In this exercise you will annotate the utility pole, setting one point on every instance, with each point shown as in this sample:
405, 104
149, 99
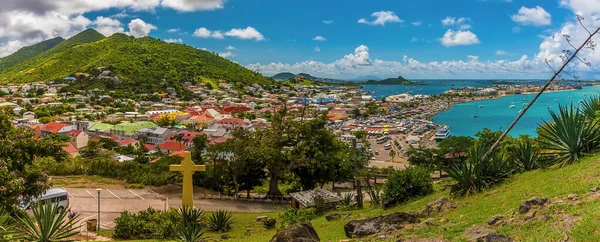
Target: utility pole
98, 229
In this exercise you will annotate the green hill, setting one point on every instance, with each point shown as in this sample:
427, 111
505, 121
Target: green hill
28, 52
142, 64
283, 76
392, 81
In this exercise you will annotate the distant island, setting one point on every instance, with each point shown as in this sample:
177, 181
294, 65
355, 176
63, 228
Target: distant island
393, 81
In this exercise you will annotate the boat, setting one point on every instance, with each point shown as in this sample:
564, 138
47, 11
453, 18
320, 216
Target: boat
524, 104
512, 106
481, 106
442, 134
556, 99
520, 111
570, 96
475, 115
549, 107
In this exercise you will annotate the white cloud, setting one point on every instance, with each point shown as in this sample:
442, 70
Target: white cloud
172, 30
226, 54
381, 18
25, 22
139, 28
417, 23
452, 21
230, 48
516, 29
193, 5
206, 33
319, 38
247, 33
532, 16
359, 64
327, 21
501, 52
108, 26
455, 38
178, 41
414, 39
317, 49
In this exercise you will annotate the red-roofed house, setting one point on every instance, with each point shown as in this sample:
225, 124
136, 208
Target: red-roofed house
150, 147
127, 141
78, 138
217, 140
70, 148
231, 109
56, 128
229, 123
188, 137
172, 146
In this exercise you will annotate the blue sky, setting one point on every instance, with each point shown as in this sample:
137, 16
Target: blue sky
337, 38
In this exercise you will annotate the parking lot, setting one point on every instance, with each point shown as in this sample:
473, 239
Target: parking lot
114, 201
84, 201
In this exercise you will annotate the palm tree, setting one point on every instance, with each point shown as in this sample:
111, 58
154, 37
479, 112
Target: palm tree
179, 138
569, 136
49, 223
192, 230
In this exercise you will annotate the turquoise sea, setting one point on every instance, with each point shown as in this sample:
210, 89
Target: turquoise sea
497, 115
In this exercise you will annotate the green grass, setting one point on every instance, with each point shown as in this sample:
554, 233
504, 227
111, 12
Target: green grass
504, 199
210, 82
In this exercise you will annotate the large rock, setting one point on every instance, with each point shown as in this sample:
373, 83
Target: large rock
365, 227
301, 232
437, 206
485, 234
529, 203
495, 237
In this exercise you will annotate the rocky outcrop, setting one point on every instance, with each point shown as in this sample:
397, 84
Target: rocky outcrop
301, 232
437, 206
485, 234
366, 227
495, 219
529, 203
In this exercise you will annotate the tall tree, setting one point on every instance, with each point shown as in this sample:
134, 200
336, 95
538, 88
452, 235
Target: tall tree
19, 176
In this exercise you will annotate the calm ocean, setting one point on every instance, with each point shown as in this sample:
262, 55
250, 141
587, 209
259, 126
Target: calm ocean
495, 114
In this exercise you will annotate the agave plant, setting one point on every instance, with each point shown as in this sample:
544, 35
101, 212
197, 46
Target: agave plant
49, 223
590, 106
570, 135
477, 174
192, 229
7, 232
348, 199
220, 221
525, 155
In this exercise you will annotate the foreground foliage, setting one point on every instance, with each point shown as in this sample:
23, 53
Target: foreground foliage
49, 223
406, 184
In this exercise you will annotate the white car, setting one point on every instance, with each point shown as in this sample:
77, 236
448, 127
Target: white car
54, 195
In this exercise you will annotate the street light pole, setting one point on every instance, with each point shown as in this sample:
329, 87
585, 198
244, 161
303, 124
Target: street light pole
98, 229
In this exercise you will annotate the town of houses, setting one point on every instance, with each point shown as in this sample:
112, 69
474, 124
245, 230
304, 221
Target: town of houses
159, 117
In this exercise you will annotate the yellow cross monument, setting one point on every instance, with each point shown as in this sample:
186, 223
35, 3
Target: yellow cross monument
188, 168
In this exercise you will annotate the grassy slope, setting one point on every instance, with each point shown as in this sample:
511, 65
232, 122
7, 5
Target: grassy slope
476, 210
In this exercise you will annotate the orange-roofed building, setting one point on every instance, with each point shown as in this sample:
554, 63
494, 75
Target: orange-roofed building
127, 141
172, 146
176, 153
217, 140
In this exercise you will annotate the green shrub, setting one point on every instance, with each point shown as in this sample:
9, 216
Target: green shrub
220, 221
192, 229
406, 184
291, 216
269, 223
148, 224
477, 174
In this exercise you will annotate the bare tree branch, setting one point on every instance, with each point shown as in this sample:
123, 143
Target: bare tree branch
587, 42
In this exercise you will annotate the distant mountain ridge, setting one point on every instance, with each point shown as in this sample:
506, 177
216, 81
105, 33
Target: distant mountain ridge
28, 52
287, 75
392, 81
142, 64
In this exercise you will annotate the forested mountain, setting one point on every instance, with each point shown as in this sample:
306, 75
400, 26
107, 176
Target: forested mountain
283, 76
28, 52
392, 81
140, 63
